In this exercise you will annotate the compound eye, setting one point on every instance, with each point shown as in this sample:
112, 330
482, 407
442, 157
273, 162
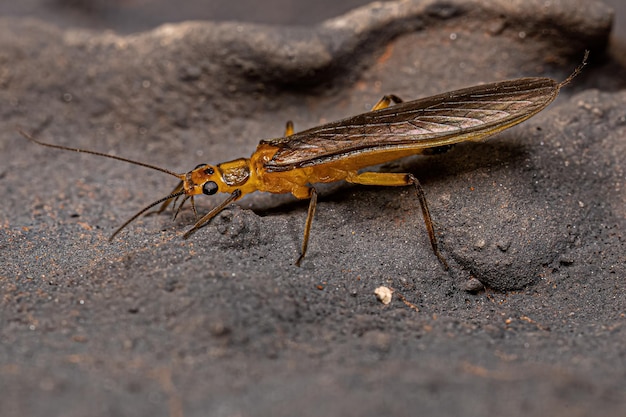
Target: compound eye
209, 188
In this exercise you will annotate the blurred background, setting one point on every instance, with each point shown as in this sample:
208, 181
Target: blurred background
128, 16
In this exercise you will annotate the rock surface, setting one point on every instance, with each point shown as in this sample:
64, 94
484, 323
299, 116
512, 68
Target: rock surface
224, 323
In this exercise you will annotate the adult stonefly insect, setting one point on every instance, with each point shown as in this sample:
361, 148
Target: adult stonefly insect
340, 150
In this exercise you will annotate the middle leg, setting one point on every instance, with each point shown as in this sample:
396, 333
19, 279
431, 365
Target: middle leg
391, 179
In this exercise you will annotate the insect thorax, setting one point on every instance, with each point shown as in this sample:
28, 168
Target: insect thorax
235, 173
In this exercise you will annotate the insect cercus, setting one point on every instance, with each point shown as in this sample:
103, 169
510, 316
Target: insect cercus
340, 150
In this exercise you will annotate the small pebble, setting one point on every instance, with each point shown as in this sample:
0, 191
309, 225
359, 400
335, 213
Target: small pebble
383, 294
473, 285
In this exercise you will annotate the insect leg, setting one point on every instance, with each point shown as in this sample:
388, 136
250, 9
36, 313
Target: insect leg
180, 206
394, 180
236, 195
386, 102
307, 225
193, 207
289, 128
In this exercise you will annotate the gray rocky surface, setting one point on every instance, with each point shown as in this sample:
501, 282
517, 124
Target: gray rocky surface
224, 323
